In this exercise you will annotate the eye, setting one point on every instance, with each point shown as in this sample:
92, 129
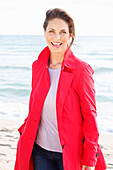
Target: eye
51, 31
64, 32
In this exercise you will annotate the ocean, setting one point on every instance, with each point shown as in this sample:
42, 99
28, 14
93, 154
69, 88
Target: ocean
17, 53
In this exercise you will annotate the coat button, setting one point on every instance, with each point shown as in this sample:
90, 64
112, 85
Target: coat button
63, 146
97, 155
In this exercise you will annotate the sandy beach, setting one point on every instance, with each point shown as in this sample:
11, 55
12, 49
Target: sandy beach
9, 137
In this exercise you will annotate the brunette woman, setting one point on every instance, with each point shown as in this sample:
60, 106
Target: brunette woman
60, 132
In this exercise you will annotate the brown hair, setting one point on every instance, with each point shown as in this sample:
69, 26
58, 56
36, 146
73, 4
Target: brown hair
61, 14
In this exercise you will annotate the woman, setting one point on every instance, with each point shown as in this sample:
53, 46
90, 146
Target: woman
60, 132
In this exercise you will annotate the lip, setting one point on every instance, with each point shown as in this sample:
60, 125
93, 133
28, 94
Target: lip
56, 44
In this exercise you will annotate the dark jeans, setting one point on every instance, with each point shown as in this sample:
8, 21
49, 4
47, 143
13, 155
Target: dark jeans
46, 160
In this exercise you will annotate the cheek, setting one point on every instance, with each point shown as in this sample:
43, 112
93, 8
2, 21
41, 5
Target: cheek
48, 37
65, 39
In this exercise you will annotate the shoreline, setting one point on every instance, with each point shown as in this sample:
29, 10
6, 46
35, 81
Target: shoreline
9, 137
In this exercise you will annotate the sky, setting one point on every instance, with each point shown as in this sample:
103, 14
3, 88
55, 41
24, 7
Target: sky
26, 17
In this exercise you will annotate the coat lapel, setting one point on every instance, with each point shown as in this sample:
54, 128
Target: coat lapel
65, 80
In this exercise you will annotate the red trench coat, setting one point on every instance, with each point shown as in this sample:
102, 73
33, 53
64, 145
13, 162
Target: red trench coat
76, 113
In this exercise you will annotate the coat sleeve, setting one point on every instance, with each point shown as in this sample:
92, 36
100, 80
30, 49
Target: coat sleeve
88, 109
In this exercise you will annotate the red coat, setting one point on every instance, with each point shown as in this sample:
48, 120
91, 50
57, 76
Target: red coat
76, 112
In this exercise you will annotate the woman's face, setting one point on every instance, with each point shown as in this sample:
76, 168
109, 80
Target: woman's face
57, 35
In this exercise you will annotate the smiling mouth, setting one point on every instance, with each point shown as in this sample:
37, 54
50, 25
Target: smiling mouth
55, 44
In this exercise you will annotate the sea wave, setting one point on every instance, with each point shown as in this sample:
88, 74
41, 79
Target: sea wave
99, 54
13, 109
14, 92
16, 85
103, 69
14, 67
104, 98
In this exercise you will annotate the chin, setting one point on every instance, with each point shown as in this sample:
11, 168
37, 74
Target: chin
57, 50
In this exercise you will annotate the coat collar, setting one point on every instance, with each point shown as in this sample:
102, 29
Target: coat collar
69, 58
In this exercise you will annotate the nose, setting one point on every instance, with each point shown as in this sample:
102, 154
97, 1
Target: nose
57, 36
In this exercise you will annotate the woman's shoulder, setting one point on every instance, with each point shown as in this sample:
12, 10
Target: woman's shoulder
35, 64
77, 64
83, 66
42, 58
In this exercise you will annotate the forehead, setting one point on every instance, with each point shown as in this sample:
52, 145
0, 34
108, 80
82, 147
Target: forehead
57, 23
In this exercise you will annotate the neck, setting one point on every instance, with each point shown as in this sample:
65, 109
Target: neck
55, 58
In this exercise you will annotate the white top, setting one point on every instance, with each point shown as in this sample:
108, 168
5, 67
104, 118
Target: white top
47, 135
